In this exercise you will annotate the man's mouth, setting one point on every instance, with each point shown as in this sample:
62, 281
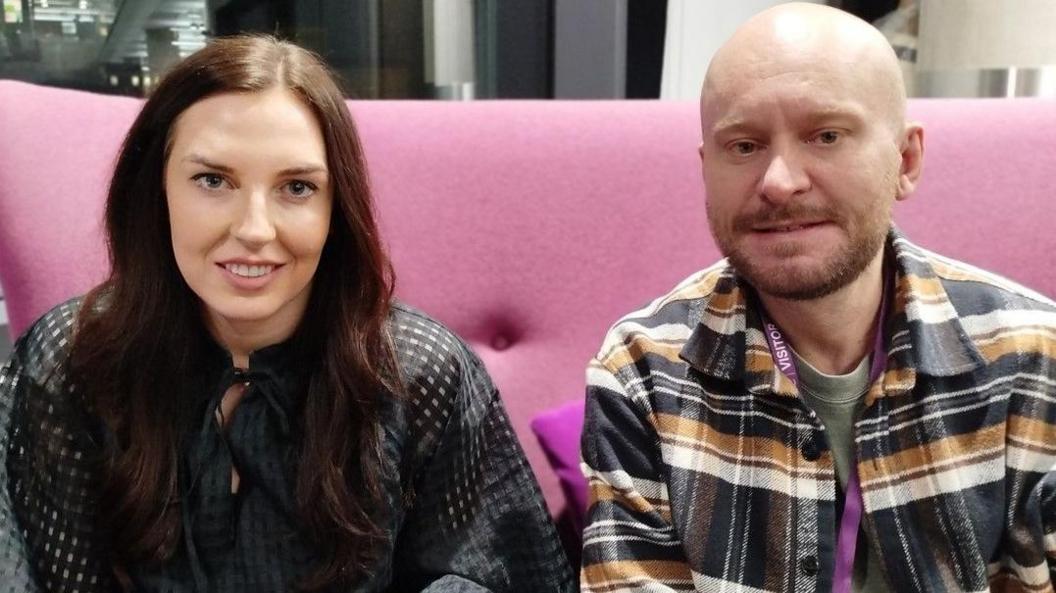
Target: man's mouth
786, 227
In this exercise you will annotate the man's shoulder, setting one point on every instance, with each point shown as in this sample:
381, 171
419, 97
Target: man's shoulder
976, 292
664, 324
1000, 317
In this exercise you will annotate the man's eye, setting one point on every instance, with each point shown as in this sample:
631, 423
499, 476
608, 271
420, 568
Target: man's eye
210, 181
300, 189
744, 148
828, 137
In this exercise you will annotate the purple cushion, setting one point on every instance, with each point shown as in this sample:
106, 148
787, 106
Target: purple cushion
558, 430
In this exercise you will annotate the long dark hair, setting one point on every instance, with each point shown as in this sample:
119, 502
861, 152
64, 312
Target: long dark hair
138, 333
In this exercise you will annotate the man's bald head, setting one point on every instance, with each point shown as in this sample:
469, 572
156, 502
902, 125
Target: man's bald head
805, 149
798, 37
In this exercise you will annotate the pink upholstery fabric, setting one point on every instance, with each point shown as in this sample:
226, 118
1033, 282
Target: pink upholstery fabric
528, 227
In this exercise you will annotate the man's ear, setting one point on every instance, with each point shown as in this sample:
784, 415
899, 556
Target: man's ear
912, 153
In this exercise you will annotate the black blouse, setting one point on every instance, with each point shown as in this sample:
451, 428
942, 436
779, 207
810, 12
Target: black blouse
465, 513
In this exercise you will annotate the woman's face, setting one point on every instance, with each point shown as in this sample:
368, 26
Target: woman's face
249, 202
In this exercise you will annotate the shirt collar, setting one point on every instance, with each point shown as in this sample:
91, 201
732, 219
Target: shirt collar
924, 332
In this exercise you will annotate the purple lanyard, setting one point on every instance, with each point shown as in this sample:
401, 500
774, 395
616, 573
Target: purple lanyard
847, 540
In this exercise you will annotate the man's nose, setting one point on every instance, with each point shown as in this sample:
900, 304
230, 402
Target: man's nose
784, 179
254, 225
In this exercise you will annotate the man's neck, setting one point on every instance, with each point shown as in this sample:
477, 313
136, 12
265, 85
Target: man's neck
835, 332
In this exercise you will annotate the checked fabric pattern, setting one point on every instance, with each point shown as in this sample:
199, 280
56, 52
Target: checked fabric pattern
467, 515
708, 472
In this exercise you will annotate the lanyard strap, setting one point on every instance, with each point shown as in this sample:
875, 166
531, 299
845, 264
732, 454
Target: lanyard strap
847, 540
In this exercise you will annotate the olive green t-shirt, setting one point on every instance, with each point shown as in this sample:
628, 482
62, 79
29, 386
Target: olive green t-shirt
836, 399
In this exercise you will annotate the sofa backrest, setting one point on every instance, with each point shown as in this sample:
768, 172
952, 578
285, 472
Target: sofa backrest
528, 227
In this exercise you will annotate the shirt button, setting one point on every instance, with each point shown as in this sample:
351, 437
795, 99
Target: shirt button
809, 564
810, 449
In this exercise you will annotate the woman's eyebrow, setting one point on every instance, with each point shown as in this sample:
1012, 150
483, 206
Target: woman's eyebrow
304, 170
201, 160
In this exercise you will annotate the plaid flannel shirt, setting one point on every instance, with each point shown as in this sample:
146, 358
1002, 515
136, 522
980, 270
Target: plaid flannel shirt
707, 471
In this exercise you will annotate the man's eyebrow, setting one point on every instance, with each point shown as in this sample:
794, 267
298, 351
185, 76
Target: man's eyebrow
738, 124
729, 125
836, 112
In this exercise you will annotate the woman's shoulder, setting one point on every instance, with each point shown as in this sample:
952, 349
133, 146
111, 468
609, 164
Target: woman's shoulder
438, 368
448, 395
424, 345
43, 349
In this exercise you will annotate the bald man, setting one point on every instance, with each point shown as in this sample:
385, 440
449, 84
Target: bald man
830, 408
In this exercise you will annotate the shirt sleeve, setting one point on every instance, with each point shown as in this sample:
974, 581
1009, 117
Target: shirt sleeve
629, 543
1029, 554
1047, 504
477, 522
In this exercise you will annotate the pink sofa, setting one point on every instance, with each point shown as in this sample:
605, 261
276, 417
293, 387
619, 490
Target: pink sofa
529, 227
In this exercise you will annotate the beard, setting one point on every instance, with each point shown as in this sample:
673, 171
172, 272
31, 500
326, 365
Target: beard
865, 238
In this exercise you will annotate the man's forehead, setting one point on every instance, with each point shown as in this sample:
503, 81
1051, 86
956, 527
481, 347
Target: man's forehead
812, 64
795, 93
827, 85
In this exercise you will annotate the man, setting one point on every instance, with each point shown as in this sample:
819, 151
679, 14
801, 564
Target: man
831, 407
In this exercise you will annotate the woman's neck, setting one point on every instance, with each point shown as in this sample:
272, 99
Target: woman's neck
242, 338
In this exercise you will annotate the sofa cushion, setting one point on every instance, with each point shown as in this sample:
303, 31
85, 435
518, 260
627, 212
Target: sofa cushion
528, 227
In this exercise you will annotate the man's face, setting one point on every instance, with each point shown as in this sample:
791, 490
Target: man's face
801, 160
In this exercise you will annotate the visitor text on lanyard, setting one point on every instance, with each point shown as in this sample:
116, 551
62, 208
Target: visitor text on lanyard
852, 507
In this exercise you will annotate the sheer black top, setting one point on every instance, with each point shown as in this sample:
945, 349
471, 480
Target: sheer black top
465, 511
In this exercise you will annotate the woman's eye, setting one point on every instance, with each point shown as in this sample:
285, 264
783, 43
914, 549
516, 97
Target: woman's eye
209, 181
300, 189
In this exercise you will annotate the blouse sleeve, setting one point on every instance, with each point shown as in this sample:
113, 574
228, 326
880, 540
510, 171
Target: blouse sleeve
477, 522
14, 558
47, 533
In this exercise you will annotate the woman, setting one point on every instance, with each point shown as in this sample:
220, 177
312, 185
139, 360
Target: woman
241, 406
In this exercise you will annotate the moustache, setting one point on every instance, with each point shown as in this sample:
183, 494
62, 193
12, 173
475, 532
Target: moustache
772, 214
